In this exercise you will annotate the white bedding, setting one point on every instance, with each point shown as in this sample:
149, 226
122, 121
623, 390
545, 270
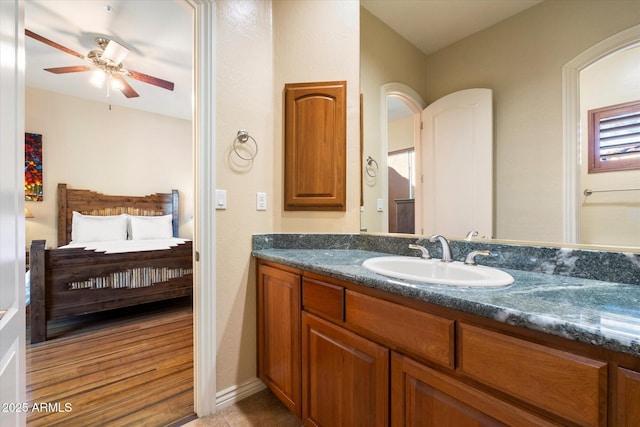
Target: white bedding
27, 288
121, 246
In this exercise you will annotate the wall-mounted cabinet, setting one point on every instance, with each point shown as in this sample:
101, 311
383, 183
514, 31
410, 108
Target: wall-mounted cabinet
315, 133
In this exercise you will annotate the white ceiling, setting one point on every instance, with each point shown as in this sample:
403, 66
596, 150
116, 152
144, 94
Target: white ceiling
431, 25
159, 35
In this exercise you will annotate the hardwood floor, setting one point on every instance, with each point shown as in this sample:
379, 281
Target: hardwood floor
133, 367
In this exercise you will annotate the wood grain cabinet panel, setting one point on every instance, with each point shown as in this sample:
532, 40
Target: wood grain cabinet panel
421, 396
279, 334
323, 299
315, 133
345, 379
570, 386
628, 398
413, 331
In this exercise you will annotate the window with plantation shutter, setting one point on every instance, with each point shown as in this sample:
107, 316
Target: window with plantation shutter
614, 137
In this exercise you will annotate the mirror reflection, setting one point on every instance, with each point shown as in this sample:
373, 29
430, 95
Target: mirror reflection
522, 59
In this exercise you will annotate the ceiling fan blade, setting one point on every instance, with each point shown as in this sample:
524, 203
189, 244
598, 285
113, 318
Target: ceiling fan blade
165, 84
126, 88
70, 69
52, 43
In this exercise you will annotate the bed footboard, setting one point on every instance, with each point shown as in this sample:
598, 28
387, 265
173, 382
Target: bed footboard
71, 282
37, 302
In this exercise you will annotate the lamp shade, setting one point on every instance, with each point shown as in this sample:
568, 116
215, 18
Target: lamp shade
27, 213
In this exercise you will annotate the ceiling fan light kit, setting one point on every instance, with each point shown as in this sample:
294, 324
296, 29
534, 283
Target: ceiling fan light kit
107, 65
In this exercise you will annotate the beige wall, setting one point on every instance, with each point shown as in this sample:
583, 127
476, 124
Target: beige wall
385, 57
400, 134
244, 95
521, 59
118, 151
262, 45
317, 41
611, 218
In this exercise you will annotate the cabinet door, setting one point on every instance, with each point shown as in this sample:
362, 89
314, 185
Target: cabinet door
279, 334
424, 397
315, 141
345, 378
628, 398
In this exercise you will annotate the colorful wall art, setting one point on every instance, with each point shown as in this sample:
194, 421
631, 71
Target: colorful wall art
33, 167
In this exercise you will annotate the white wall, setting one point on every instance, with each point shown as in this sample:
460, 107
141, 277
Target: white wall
119, 151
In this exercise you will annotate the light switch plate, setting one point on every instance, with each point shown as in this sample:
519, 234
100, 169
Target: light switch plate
221, 199
261, 201
379, 206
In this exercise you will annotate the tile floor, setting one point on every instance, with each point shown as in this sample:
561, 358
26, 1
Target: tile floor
262, 409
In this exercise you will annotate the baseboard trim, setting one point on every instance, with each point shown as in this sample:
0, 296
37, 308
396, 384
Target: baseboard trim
235, 393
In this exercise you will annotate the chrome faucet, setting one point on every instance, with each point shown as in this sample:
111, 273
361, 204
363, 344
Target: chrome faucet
471, 258
471, 235
422, 249
446, 248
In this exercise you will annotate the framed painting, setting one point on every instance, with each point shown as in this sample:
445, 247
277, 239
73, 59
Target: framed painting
33, 167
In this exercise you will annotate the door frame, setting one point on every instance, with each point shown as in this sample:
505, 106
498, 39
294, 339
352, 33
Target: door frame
416, 104
571, 124
204, 277
204, 182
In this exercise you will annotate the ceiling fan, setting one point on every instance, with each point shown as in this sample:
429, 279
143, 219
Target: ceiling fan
107, 61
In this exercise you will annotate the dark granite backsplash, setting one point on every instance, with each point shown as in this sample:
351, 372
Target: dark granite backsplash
620, 267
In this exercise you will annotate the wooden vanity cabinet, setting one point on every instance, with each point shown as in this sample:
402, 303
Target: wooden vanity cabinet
279, 348
343, 355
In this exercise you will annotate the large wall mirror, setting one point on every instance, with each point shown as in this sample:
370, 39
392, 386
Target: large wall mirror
522, 59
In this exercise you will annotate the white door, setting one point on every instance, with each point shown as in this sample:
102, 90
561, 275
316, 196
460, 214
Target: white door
457, 164
12, 316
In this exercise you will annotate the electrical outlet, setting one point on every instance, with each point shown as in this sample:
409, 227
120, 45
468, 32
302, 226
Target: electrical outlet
261, 201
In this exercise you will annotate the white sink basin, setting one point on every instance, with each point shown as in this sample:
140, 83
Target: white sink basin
437, 272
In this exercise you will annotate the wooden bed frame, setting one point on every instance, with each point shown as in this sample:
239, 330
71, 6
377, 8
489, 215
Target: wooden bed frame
72, 282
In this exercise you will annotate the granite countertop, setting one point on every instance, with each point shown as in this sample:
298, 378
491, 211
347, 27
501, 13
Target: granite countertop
597, 312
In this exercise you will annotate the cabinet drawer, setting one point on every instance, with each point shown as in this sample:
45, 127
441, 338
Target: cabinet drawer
424, 335
570, 386
323, 299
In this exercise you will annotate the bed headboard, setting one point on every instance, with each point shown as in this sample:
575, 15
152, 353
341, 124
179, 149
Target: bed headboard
89, 202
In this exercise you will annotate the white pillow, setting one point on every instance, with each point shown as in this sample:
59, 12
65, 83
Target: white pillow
150, 227
91, 228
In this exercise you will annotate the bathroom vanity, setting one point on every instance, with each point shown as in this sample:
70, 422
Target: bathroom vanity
343, 346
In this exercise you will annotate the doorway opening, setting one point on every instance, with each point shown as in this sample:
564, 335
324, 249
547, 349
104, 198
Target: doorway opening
400, 149
573, 192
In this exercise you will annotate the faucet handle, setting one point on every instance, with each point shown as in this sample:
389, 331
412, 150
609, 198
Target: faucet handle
471, 235
471, 258
422, 249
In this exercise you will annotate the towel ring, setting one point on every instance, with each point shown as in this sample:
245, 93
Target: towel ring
369, 169
241, 138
